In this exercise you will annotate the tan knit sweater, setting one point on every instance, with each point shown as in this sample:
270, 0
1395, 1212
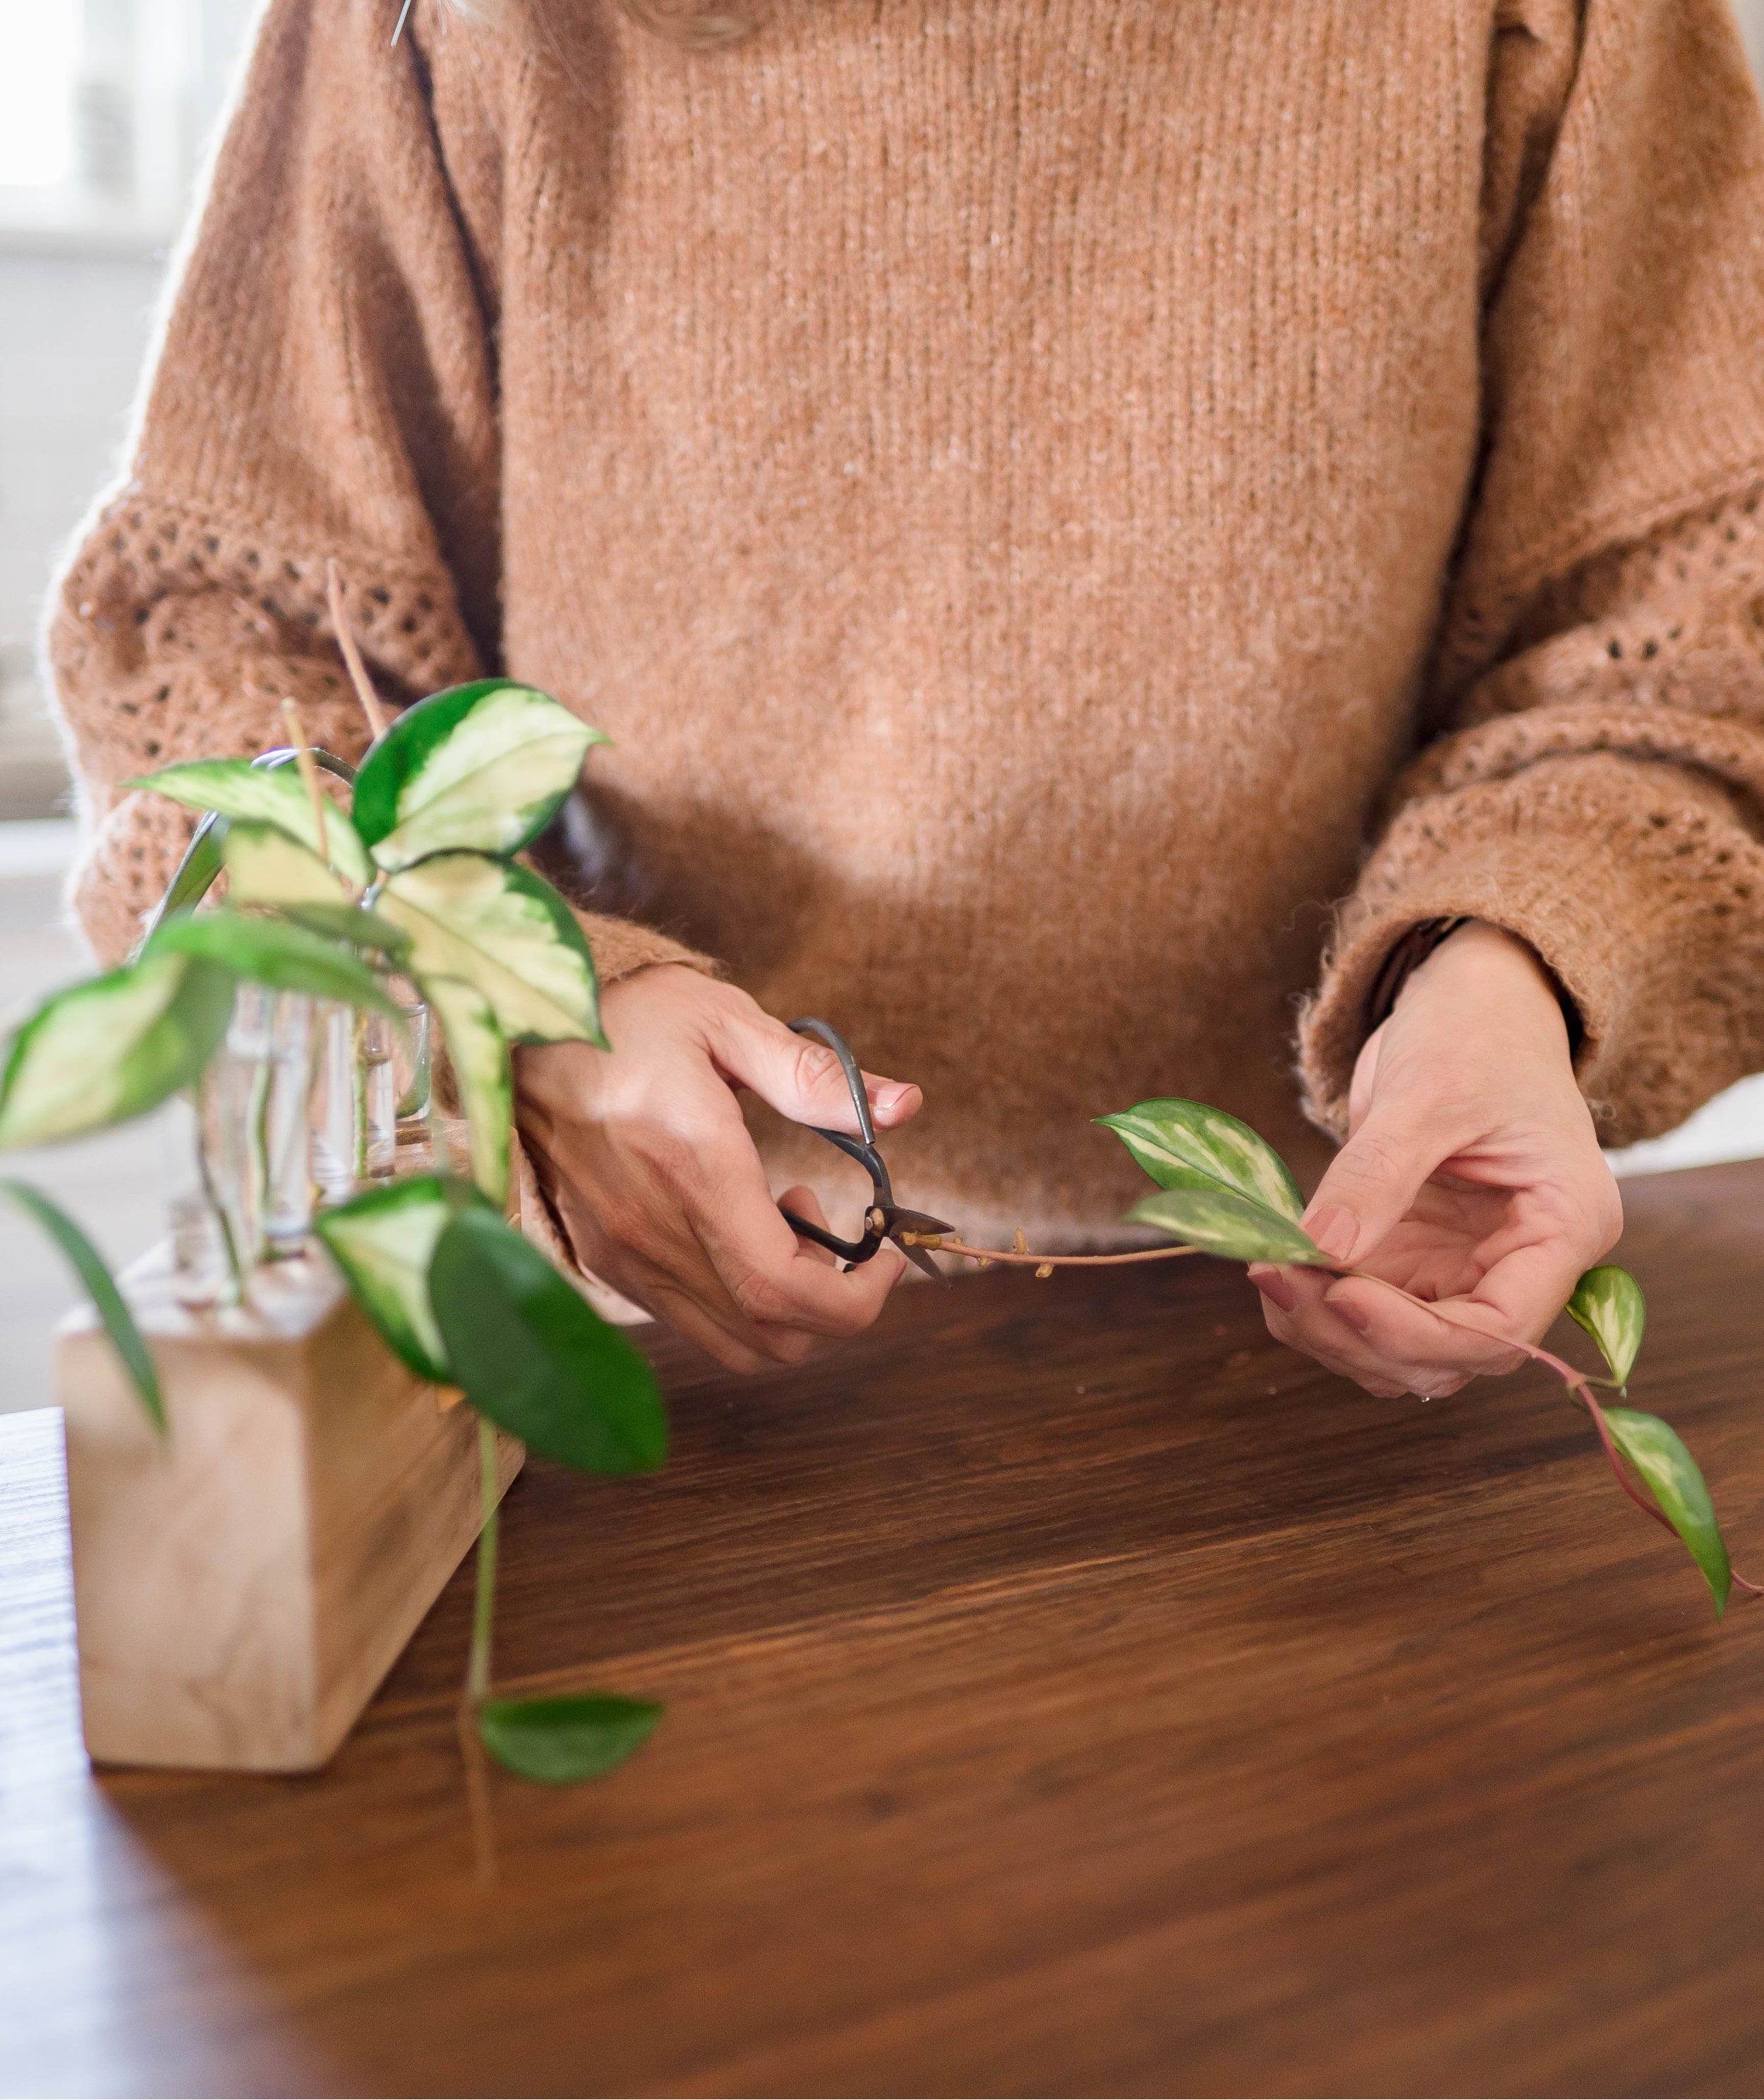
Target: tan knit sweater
1035, 488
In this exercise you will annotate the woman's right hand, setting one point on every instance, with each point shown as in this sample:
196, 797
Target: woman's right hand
643, 1154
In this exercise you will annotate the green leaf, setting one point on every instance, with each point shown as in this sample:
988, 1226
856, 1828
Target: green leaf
480, 1056
1676, 1483
273, 795
1219, 1223
535, 1357
1607, 1302
383, 1241
504, 930
265, 866
101, 1288
273, 952
196, 872
112, 1048
482, 767
1185, 1144
558, 1742
353, 923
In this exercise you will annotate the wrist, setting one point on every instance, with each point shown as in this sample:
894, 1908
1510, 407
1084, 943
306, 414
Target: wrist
1484, 974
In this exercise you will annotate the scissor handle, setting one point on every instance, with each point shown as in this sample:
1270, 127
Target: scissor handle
854, 1078
865, 1153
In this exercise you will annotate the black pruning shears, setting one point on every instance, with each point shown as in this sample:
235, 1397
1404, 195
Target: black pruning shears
884, 1219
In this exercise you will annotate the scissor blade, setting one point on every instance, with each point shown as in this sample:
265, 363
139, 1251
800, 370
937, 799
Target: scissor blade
921, 1260
915, 1221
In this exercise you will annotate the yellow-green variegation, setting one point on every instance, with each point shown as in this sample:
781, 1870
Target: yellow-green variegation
1607, 1302
482, 767
383, 1241
504, 931
271, 795
265, 865
1186, 1144
1676, 1482
478, 1053
112, 1048
1218, 1222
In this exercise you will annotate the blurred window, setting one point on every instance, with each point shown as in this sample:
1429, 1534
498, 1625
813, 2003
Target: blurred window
106, 108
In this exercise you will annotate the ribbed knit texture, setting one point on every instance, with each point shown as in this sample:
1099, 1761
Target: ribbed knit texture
1021, 480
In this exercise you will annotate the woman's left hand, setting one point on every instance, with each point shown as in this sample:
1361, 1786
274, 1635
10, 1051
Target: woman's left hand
1471, 1177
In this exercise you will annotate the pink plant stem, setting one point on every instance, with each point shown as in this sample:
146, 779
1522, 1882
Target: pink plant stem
943, 1244
1579, 1390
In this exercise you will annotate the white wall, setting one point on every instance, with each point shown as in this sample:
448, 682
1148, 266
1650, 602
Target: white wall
72, 332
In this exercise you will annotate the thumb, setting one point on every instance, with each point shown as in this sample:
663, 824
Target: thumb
802, 1078
1371, 1185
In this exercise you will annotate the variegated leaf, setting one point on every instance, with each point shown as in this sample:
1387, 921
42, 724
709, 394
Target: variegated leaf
1676, 1482
536, 1358
265, 865
1607, 1302
482, 767
112, 1048
1186, 1144
1218, 1222
505, 932
270, 952
478, 1055
383, 1241
272, 795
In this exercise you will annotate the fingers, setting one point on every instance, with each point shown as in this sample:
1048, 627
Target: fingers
1362, 1331
805, 1204
774, 1279
1374, 1178
800, 1077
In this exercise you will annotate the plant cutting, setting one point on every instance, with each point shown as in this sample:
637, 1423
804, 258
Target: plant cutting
1223, 1190
411, 881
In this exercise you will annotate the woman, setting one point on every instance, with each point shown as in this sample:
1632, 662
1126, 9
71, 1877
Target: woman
1034, 490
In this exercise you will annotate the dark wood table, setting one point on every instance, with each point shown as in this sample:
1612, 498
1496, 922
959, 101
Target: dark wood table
1070, 1692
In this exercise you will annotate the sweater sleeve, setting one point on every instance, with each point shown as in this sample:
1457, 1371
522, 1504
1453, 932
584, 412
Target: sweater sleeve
1592, 772
323, 386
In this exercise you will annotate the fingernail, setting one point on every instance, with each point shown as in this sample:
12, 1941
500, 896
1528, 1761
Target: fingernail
1356, 1317
889, 1097
1273, 1287
1334, 1231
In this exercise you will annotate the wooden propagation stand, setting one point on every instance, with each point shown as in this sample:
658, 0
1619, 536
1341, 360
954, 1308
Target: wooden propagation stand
242, 1589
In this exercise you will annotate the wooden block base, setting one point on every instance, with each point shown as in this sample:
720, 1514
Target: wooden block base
242, 1591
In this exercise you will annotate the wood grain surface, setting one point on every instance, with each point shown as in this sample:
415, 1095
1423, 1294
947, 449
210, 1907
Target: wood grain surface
1069, 1691
241, 1591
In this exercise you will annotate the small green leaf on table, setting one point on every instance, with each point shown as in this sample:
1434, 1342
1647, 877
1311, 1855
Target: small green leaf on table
559, 1742
505, 932
482, 767
1217, 1222
274, 795
479, 1054
108, 1301
1676, 1482
535, 1357
112, 1048
1186, 1144
383, 1241
1607, 1302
